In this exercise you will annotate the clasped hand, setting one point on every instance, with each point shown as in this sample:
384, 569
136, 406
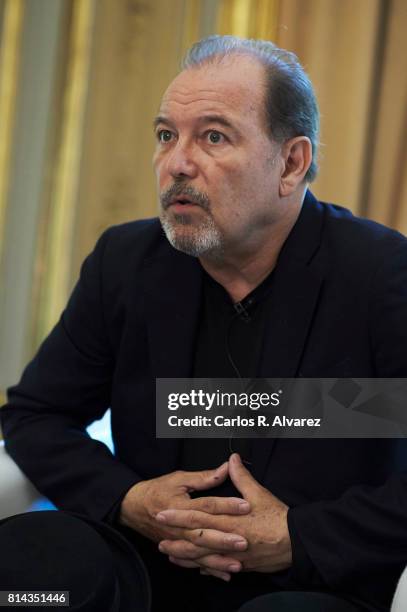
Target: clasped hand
219, 535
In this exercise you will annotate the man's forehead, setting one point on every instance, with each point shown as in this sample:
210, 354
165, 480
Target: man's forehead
236, 82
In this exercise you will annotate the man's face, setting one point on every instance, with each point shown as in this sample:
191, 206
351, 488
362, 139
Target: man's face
215, 164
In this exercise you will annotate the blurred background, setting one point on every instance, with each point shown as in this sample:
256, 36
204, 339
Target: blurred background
80, 82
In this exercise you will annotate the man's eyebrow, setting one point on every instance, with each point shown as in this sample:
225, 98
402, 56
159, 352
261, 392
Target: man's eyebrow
217, 119
161, 119
220, 119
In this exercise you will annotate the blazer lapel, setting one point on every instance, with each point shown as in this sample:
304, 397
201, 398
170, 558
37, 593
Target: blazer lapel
172, 302
296, 288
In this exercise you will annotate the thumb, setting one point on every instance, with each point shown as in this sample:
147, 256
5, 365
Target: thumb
241, 477
205, 479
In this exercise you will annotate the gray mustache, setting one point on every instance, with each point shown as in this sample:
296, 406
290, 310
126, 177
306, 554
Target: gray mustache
178, 189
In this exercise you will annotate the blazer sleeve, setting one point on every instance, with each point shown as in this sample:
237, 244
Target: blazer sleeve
360, 540
62, 390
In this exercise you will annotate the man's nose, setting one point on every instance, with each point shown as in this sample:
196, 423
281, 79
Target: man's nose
181, 161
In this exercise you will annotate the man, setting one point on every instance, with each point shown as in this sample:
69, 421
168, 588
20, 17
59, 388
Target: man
307, 524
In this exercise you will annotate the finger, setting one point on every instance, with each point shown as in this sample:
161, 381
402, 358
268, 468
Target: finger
219, 563
222, 575
183, 562
182, 549
216, 540
241, 477
189, 550
205, 479
220, 505
226, 576
187, 519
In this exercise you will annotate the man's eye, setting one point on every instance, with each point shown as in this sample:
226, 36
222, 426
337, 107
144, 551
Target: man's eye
215, 137
164, 135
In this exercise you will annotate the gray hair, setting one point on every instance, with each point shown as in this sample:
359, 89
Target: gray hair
290, 103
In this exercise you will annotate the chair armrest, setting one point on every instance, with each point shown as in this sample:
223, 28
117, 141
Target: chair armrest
17, 494
399, 603
16, 491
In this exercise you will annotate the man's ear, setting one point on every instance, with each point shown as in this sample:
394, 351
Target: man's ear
297, 156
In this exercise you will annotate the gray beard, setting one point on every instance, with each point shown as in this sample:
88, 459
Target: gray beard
194, 240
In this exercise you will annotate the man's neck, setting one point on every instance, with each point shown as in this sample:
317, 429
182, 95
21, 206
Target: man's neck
242, 271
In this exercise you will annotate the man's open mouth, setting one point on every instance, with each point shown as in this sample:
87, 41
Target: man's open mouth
182, 201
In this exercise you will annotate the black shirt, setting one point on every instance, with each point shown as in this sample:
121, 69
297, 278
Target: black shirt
229, 345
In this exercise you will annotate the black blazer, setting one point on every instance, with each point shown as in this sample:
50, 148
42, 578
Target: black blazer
338, 308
